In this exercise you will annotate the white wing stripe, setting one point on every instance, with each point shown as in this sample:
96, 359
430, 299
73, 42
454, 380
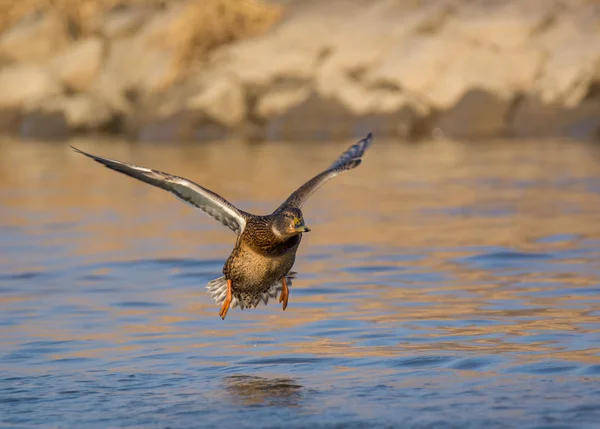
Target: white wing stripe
189, 192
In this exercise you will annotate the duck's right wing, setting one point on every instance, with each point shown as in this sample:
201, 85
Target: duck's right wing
212, 204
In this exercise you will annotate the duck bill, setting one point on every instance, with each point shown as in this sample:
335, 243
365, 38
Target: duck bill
302, 229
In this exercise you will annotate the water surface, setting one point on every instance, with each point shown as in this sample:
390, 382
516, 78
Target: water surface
444, 285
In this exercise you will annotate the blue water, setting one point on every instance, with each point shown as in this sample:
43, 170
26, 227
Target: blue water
442, 286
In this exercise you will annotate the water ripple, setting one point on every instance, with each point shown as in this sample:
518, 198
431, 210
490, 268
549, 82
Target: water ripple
458, 291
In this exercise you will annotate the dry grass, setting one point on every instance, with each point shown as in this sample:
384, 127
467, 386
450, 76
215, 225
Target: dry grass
79, 13
210, 23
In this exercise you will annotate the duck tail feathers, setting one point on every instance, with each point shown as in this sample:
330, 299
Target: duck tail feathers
217, 289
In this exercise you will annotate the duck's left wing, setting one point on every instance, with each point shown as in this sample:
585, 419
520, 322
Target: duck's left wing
348, 160
209, 202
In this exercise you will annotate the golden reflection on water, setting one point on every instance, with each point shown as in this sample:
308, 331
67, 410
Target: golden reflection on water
441, 201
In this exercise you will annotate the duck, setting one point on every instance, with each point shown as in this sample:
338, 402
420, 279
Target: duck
260, 264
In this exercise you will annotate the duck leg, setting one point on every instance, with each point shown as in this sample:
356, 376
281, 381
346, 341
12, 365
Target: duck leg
227, 302
285, 293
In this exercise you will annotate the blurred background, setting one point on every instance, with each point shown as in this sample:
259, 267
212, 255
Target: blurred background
451, 281
287, 70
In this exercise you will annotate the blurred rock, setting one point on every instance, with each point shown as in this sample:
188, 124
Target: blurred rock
223, 101
178, 126
317, 118
504, 75
123, 21
132, 70
363, 67
184, 125
276, 101
79, 64
23, 86
42, 125
10, 120
534, 118
214, 106
328, 70
81, 112
415, 64
145, 62
360, 99
314, 118
291, 51
478, 114
443, 69
34, 39
502, 25
572, 47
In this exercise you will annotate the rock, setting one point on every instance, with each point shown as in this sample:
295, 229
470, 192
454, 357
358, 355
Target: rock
415, 64
146, 62
277, 101
503, 74
326, 71
131, 72
176, 127
131, 66
34, 39
209, 131
23, 86
59, 117
478, 114
290, 51
317, 118
502, 25
123, 21
345, 74
184, 125
406, 123
341, 32
10, 120
534, 119
41, 125
573, 56
223, 101
252, 63
443, 69
334, 83
199, 108
82, 112
314, 118
379, 27
79, 64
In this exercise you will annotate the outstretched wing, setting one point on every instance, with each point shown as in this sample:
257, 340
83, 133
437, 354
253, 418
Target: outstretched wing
212, 204
348, 160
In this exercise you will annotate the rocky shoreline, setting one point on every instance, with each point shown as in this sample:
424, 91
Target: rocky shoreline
455, 69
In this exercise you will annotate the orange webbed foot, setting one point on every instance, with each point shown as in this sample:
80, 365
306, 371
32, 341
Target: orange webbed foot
285, 294
227, 302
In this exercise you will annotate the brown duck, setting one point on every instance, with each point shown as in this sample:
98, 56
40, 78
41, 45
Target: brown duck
260, 264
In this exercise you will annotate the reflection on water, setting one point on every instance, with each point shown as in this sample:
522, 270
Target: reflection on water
443, 285
250, 390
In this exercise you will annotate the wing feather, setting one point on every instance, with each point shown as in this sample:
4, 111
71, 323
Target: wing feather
348, 160
209, 202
